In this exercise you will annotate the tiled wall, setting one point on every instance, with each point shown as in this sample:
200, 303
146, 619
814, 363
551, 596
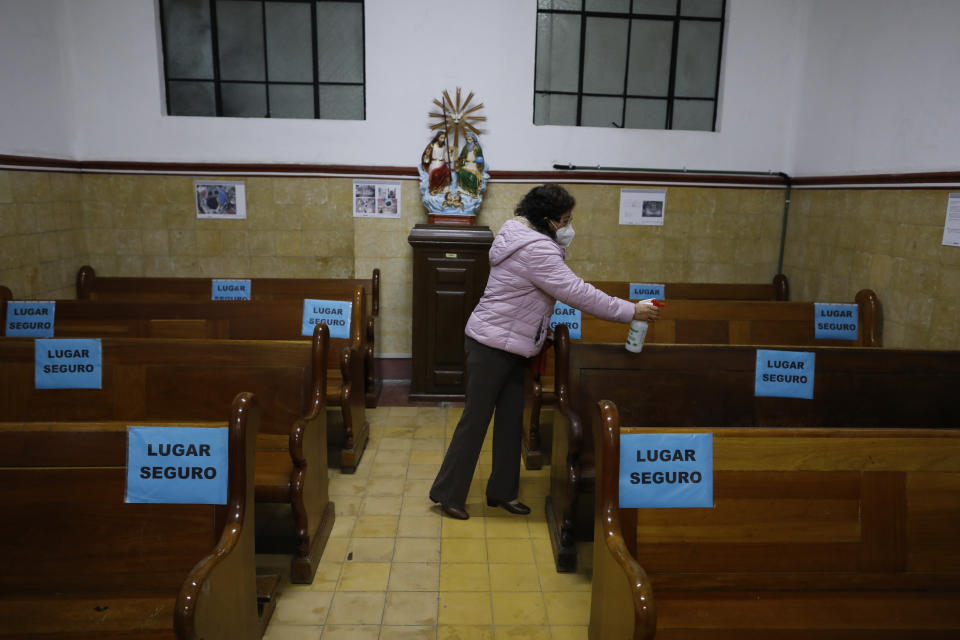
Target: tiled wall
840, 241
147, 226
42, 241
709, 235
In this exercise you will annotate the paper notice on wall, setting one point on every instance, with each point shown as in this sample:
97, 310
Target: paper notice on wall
951, 227
376, 199
642, 206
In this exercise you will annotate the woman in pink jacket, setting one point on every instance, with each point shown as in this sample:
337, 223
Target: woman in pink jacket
510, 324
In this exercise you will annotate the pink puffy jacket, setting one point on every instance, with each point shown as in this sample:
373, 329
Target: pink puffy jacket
527, 275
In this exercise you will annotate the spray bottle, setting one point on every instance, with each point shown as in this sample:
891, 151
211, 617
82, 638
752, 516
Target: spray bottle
638, 331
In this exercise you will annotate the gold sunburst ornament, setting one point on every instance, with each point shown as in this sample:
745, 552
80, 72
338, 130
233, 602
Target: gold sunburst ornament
456, 118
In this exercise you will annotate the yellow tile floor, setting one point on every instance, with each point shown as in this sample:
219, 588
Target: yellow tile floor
395, 568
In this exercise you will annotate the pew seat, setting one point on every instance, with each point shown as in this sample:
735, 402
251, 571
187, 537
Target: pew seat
79, 562
844, 533
167, 379
91, 286
698, 321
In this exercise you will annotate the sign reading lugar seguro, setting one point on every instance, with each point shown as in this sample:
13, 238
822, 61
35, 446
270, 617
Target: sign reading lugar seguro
642, 291
61, 363
334, 313
230, 289
565, 314
30, 318
672, 470
836, 321
177, 465
785, 374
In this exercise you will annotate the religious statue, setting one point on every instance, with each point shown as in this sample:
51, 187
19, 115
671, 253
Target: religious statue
470, 165
452, 182
436, 161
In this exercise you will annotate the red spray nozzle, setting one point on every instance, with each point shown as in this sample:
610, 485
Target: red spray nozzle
657, 303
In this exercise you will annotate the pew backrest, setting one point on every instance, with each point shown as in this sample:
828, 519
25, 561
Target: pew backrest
227, 320
90, 286
777, 289
169, 379
66, 530
860, 515
740, 322
713, 385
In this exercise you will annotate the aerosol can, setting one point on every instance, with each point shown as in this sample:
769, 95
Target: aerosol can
638, 331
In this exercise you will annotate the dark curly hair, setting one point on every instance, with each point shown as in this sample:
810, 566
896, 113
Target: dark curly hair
544, 203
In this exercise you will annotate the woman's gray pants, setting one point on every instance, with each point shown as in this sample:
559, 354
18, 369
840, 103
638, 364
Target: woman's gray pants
494, 382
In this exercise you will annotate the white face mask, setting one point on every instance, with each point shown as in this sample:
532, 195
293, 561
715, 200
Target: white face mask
565, 235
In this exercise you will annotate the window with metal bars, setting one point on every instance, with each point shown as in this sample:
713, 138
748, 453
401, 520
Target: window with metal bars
635, 64
264, 58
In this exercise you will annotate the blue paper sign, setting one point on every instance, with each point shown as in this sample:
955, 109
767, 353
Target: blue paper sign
641, 291
565, 314
785, 374
30, 319
666, 470
230, 290
335, 313
61, 363
177, 465
836, 321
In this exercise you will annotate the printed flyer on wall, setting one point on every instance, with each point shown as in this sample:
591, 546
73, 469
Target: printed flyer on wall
376, 199
642, 206
220, 199
951, 227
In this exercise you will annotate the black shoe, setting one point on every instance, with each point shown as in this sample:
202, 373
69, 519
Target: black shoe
453, 512
513, 507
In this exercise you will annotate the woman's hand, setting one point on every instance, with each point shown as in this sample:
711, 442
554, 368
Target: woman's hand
646, 310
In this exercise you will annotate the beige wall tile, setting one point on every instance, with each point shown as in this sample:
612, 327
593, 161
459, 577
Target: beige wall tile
290, 243
32, 186
6, 186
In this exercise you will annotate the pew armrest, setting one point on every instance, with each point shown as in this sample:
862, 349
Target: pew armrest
871, 320
219, 597
619, 582
375, 293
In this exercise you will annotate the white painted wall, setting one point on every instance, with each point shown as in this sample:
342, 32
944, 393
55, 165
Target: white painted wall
415, 49
880, 89
34, 105
810, 87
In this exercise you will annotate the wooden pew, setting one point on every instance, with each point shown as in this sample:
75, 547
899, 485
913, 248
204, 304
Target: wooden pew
235, 320
711, 386
182, 380
701, 322
846, 533
80, 563
90, 286
777, 289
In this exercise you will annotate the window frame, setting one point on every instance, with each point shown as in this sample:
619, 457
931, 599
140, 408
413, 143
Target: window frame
215, 54
629, 16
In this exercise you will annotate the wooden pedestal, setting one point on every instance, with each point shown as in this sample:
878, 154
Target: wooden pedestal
450, 269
